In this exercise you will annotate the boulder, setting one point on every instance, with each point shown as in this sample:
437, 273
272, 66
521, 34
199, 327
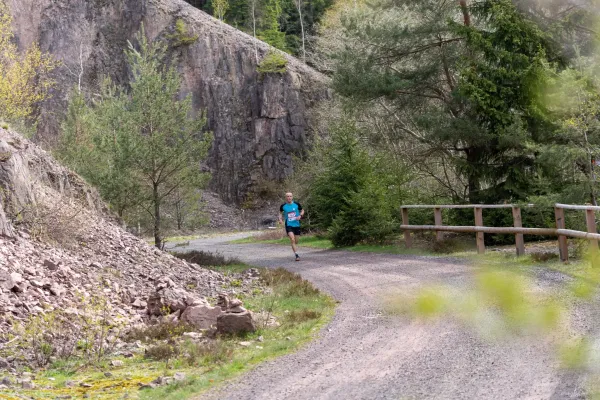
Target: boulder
166, 301
202, 317
234, 323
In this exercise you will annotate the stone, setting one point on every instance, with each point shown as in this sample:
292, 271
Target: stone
27, 384
179, 376
201, 317
238, 309
6, 381
139, 303
3, 363
85, 385
117, 363
70, 383
57, 290
167, 300
51, 265
245, 344
234, 323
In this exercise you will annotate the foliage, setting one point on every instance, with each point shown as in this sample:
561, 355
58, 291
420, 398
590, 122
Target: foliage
449, 87
181, 36
273, 63
277, 21
89, 333
220, 7
24, 76
138, 145
349, 195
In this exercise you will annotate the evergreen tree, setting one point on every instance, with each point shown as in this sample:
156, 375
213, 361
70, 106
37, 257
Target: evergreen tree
461, 81
141, 143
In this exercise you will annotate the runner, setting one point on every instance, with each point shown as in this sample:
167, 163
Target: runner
292, 212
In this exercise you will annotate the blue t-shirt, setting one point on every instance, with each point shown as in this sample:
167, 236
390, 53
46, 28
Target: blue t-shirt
290, 212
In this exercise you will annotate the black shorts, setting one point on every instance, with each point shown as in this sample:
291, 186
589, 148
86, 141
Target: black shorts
294, 229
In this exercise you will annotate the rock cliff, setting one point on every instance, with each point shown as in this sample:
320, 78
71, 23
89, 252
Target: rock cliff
259, 123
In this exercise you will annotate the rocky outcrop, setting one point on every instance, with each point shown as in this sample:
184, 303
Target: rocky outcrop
259, 122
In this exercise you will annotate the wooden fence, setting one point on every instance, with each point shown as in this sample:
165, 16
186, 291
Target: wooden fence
517, 229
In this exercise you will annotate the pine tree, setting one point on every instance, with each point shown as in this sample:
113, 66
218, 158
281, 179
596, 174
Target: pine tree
460, 80
141, 141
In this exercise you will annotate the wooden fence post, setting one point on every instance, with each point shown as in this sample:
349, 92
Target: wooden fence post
518, 223
407, 237
563, 248
590, 219
479, 235
437, 214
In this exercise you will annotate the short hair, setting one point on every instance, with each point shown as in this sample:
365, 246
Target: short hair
290, 193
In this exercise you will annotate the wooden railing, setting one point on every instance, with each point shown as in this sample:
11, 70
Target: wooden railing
517, 229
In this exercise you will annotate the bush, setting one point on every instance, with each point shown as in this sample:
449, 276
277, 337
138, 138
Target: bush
273, 63
206, 258
351, 197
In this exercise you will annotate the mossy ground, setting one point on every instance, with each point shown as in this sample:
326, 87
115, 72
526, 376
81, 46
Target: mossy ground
299, 308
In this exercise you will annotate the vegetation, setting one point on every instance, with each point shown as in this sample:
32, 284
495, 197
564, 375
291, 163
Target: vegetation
24, 75
299, 309
455, 102
139, 145
273, 63
288, 25
181, 36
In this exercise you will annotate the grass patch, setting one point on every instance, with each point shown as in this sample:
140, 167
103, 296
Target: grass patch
299, 308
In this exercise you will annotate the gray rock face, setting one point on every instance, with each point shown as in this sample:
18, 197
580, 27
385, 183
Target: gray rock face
259, 123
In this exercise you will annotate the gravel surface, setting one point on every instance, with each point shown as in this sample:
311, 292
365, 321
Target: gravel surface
364, 354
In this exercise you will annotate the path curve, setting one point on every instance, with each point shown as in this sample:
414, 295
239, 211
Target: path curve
364, 354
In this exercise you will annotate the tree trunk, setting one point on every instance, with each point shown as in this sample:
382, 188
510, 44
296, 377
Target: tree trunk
472, 178
299, 4
156, 200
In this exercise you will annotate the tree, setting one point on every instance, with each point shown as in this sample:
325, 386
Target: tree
569, 156
271, 32
141, 141
462, 81
347, 196
220, 7
24, 77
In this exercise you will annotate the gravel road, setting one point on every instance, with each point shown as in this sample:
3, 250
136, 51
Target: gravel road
365, 354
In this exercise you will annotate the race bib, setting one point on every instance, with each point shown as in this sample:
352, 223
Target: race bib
291, 216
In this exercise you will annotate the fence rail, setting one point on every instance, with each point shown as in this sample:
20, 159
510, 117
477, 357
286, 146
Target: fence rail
517, 229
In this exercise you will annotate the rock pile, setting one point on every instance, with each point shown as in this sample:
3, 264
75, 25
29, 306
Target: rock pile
137, 282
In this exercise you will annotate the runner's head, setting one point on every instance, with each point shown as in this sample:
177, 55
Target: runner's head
289, 197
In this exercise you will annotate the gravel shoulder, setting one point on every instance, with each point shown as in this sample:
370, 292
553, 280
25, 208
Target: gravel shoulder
365, 354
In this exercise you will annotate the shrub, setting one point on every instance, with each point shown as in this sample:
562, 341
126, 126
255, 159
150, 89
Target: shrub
90, 334
181, 35
162, 352
161, 331
273, 63
207, 353
206, 258
292, 284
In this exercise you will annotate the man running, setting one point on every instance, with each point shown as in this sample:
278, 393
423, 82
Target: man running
292, 212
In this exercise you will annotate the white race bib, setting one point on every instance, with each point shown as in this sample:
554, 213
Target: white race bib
291, 216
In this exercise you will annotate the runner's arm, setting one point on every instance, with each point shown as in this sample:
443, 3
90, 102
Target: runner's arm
301, 211
281, 214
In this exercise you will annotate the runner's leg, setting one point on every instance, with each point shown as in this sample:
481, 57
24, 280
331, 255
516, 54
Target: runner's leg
293, 240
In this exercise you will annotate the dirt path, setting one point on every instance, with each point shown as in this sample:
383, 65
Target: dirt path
364, 354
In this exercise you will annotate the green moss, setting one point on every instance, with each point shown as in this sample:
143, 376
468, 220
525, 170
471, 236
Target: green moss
181, 35
273, 63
